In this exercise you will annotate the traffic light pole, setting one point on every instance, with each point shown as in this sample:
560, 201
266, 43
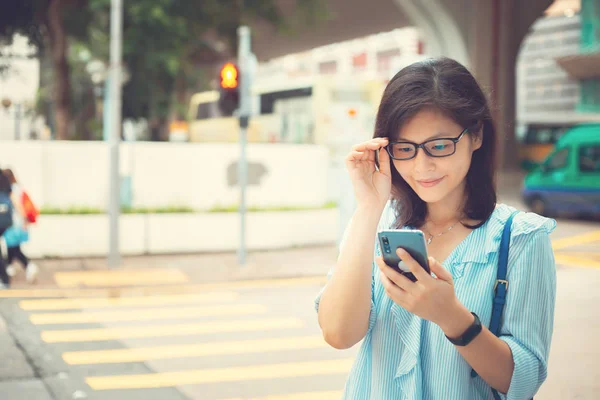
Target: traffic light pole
116, 30
244, 56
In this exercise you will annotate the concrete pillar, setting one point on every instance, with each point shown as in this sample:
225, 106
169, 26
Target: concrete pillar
485, 36
499, 28
493, 61
440, 30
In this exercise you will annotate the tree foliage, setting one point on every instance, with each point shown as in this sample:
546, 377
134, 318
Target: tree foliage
170, 47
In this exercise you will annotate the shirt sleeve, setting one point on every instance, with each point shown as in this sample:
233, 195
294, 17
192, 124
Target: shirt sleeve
373, 311
529, 312
385, 222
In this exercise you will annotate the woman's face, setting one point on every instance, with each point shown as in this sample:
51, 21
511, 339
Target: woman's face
434, 179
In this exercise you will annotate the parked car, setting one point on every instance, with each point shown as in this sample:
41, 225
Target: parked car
569, 178
537, 142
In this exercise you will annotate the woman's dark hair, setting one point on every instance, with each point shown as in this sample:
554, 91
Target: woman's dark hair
10, 175
444, 85
5, 186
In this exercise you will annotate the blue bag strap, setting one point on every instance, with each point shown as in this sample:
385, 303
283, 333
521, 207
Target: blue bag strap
501, 286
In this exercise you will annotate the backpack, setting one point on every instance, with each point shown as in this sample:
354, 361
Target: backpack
31, 211
6, 212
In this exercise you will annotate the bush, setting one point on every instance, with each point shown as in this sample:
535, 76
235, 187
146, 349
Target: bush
235, 208
158, 210
76, 210
70, 211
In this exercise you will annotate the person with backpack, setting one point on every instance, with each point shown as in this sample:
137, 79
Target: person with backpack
6, 221
24, 213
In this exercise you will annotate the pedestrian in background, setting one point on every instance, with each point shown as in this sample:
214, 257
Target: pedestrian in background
430, 166
6, 220
23, 214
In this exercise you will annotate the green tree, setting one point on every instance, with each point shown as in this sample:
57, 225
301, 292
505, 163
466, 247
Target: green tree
169, 47
48, 24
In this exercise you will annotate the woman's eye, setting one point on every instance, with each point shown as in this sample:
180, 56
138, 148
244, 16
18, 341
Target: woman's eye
439, 146
404, 149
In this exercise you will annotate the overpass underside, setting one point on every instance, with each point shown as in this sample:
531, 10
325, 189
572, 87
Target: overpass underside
485, 35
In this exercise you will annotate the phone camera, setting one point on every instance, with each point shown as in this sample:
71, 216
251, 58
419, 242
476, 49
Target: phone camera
386, 245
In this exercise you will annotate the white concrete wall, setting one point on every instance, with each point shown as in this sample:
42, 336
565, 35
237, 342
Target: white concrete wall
87, 235
67, 174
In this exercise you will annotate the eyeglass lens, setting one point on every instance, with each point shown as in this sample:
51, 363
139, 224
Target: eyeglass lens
434, 148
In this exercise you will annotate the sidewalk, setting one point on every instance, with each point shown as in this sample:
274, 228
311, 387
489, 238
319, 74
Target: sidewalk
18, 380
202, 267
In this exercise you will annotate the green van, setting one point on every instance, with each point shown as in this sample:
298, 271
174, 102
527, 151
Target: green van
569, 178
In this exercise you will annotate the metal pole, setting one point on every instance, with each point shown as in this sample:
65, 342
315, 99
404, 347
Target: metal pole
17, 121
242, 172
244, 115
116, 30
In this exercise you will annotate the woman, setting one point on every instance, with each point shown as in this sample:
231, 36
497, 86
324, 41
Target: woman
6, 220
18, 233
436, 142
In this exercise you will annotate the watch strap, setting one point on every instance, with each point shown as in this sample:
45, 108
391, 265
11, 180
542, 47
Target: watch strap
470, 334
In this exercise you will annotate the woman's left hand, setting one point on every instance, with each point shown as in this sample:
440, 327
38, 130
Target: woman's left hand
431, 298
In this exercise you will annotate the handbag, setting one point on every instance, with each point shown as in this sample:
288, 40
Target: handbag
500, 287
15, 236
31, 211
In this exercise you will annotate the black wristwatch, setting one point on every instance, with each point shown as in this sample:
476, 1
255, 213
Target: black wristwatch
470, 334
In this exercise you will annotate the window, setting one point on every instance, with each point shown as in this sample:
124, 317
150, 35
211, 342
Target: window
569, 91
543, 134
359, 62
557, 133
268, 100
558, 160
205, 110
328, 67
589, 158
546, 107
550, 43
384, 59
572, 40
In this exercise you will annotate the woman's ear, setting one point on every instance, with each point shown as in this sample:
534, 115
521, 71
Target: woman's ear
477, 141
477, 137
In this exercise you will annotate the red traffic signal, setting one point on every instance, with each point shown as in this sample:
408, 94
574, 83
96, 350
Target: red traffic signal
229, 89
229, 76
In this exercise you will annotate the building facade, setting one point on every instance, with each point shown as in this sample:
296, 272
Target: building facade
376, 57
550, 98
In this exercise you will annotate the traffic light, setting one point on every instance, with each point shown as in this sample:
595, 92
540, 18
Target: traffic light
229, 89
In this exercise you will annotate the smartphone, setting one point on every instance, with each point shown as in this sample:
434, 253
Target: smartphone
411, 240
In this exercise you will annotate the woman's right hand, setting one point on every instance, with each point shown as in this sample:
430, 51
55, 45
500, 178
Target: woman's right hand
372, 187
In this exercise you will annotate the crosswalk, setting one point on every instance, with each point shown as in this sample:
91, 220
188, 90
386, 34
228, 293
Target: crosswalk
573, 251
153, 334
226, 341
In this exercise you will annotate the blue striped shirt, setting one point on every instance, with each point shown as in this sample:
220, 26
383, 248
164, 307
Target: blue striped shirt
405, 357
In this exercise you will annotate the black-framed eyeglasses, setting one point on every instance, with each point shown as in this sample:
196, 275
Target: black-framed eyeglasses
440, 147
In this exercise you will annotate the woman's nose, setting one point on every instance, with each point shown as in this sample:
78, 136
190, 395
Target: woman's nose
423, 162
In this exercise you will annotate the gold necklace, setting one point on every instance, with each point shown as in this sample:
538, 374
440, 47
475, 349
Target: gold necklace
431, 237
